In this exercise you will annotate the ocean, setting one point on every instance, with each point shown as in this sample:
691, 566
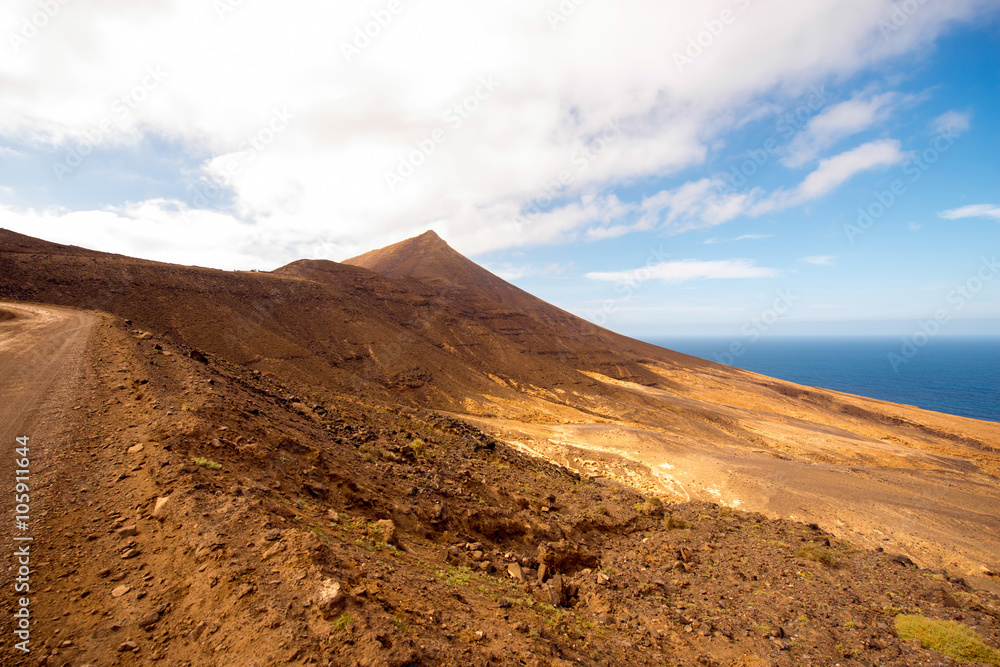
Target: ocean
960, 376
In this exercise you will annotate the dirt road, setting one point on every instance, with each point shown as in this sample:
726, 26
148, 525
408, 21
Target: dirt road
41, 356
40, 349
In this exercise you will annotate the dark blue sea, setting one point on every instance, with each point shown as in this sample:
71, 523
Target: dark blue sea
960, 376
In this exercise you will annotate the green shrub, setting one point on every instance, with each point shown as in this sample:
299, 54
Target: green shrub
675, 523
342, 622
817, 553
652, 506
948, 637
202, 462
419, 448
370, 454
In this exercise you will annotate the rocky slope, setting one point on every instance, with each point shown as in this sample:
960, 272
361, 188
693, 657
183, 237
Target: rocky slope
199, 512
417, 325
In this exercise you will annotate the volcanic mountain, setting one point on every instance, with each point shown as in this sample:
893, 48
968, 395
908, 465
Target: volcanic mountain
417, 325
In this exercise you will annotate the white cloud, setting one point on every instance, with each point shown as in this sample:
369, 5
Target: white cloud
508, 271
839, 122
742, 237
322, 180
833, 172
952, 122
687, 269
705, 203
988, 211
819, 260
157, 230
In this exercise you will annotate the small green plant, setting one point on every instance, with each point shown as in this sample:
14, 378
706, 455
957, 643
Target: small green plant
674, 523
369, 453
948, 637
209, 464
419, 448
817, 553
399, 624
456, 576
651, 506
343, 622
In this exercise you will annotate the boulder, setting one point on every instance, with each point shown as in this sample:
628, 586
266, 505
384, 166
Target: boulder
329, 598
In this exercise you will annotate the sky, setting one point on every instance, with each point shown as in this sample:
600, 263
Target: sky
721, 167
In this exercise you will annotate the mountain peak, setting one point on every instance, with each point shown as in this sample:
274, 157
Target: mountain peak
427, 258
429, 235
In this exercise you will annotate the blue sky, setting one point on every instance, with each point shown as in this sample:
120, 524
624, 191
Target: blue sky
661, 168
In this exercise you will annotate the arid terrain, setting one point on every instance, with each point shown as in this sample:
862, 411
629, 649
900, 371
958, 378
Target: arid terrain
402, 459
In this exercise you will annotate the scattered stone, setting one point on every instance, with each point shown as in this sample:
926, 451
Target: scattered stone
557, 591
329, 598
128, 646
504, 603
119, 591
106, 572
148, 621
272, 535
902, 560
275, 548
514, 570
161, 510
130, 530
135, 449
198, 356
333, 516
130, 553
602, 579
316, 490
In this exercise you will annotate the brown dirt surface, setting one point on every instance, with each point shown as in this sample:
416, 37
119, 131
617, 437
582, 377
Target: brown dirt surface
207, 503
